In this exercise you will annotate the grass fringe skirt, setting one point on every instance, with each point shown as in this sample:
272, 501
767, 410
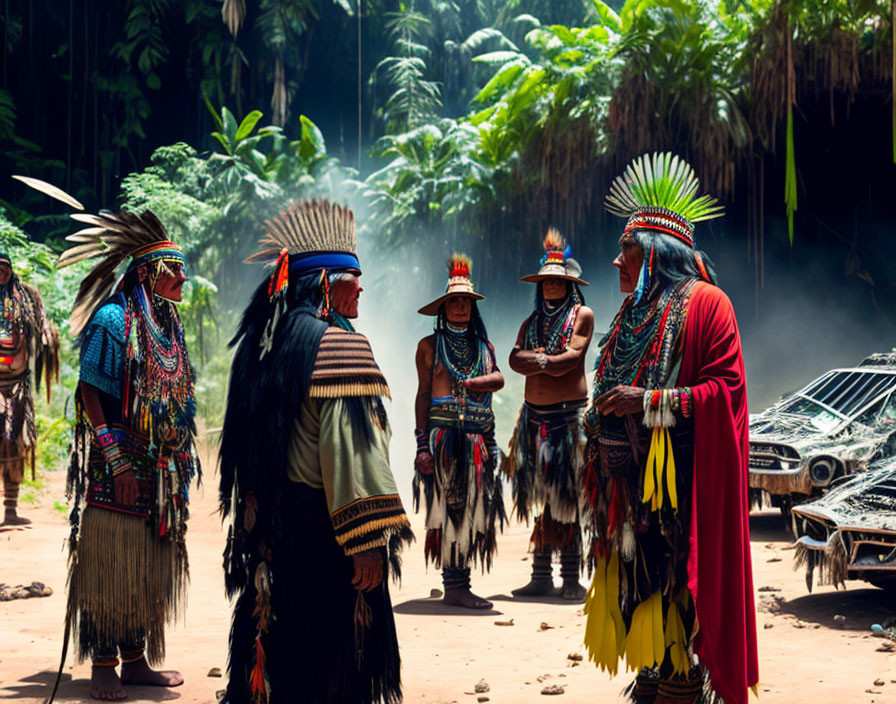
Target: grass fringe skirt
125, 584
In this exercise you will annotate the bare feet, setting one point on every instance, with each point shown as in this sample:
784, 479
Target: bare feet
13, 519
139, 672
105, 685
462, 596
536, 587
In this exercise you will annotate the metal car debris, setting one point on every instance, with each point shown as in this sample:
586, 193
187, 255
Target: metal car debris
834, 427
850, 533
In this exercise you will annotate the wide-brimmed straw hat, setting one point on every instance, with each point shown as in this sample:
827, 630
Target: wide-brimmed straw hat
459, 284
557, 262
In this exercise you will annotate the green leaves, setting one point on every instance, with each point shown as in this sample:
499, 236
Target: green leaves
790, 176
247, 125
311, 145
607, 16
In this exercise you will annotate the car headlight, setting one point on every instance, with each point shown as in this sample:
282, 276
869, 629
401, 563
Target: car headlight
822, 470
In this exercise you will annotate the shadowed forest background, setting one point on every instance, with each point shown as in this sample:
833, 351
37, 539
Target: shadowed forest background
468, 125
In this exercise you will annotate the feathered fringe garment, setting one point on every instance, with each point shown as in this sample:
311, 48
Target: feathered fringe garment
318, 641
463, 497
544, 459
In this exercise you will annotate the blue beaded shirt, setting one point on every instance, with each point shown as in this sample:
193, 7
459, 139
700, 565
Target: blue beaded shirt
103, 349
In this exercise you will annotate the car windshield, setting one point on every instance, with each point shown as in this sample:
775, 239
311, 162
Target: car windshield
840, 394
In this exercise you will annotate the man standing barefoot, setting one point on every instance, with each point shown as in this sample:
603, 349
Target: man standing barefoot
133, 455
545, 450
456, 452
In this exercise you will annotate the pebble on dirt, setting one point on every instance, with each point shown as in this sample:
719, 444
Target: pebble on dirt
554, 689
481, 687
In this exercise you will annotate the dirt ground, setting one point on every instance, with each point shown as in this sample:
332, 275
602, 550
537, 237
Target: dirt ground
805, 658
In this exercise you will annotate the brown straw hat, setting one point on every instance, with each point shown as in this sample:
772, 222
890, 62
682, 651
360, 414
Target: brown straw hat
459, 284
557, 262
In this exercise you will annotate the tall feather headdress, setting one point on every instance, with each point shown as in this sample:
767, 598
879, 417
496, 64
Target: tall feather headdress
112, 238
306, 236
659, 192
308, 227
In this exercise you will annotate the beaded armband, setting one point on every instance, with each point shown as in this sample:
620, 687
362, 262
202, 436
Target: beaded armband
661, 406
108, 443
422, 440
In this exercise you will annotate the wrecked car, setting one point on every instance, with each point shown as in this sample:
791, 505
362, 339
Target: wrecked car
850, 533
834, 427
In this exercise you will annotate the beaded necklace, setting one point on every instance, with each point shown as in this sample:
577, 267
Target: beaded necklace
555, 332
458, 353
639, 348
464, 357
11, 318
165, 404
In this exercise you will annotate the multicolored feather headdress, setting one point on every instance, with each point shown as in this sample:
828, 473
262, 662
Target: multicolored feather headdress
557, 261
459, 284
659, 192
112, 238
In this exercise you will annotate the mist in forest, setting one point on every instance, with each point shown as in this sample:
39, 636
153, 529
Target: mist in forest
802, 330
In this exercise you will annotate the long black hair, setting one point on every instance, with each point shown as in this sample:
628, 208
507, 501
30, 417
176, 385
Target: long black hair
266, 390
476, 332
673, 259
573, 296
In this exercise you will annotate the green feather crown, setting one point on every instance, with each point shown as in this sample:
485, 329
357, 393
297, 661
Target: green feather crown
661, 181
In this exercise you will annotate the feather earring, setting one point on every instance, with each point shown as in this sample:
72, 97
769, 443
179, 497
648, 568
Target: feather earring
645, 278
325, 306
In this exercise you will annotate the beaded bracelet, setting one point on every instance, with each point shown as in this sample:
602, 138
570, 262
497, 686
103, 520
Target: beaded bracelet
685, 401
108, 443
422, 440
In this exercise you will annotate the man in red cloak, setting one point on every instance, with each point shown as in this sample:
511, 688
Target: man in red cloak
665, 474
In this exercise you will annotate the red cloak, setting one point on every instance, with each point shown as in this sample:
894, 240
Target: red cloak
720, 575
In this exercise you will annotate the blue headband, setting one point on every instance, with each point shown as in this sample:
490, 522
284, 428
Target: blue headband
325, 260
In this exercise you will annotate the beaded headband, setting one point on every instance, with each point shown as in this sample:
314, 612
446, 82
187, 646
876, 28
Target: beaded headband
155, 251
659, 192
662, 220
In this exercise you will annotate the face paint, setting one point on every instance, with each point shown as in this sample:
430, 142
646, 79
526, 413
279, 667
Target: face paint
170, 279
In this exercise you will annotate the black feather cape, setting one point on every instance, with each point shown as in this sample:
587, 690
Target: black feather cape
262, 400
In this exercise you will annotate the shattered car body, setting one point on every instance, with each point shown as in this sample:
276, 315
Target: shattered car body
834, 427
850, 533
